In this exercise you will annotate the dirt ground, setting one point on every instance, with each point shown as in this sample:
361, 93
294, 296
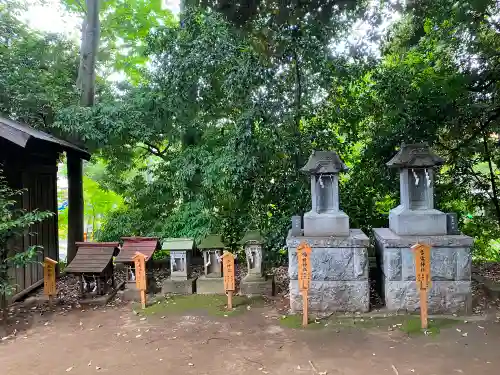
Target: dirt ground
117, 341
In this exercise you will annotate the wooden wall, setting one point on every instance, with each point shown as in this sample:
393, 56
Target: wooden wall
38, 175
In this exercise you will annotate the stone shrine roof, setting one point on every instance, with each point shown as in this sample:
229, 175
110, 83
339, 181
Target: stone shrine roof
416, 155
212, 241
252, 235
174, 244
324, 162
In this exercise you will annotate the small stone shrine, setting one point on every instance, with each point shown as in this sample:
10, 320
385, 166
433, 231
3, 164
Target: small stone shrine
255, 282
339, 257
212, 281
125, 259
180, 280
416, 220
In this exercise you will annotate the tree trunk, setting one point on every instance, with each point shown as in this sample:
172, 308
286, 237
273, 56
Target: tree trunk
86, 83
88, 53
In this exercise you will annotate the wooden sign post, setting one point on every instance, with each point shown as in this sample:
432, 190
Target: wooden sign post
228, 272
49, 278
140, 276
423, 277
304, 261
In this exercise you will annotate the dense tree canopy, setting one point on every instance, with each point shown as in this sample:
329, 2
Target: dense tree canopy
219, 111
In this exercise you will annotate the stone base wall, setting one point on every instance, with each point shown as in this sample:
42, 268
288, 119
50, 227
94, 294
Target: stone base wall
179, 286
339, 273
257, 286
450, 290
210, 285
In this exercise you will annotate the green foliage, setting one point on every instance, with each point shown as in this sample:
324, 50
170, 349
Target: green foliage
37, 71
14, 222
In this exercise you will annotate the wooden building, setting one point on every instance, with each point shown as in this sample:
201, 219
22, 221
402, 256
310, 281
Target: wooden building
29, 159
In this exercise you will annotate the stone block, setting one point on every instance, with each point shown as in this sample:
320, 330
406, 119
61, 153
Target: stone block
131, 293
333, 264
210, 285
464, 263
392, 263
405, 222
331, 296
356, 238
179, 286
257, 286
326, 224
443, 296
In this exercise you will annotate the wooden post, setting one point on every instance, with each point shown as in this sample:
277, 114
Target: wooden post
423, 277
304, 260
49, 279
140, 276
228, 271
75, 203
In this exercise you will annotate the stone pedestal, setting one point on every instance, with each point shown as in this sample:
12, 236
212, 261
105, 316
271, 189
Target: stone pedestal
339, 273
450, 290
326, 224
210, 285
131, 293
253, 285
179, 286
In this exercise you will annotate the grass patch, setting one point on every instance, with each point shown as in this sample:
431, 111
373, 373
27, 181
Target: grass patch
211, 304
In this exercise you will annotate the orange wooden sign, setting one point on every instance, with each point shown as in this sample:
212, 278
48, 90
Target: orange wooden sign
140, 276
49, 277
228, 271
304, 260
423, 277
422, 265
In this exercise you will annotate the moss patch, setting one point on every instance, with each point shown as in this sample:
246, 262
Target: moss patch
407, 323
211, 304
412, 326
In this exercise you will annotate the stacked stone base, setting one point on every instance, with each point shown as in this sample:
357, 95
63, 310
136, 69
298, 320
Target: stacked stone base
450, 290
179, 286
252, 285
210, 285
339, 273
331, 296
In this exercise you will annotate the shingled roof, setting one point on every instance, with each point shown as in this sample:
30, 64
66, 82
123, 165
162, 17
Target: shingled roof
186, 244
92, 257
212, 241
324, 162
251, 236
416, 155
25, 136
131, 245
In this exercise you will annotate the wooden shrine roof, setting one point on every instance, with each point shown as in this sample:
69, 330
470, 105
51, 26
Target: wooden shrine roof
144, 245
92, 257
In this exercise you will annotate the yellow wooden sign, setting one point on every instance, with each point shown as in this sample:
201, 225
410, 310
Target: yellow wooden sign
423, 277
304, 260
49, 277
228, 272
304, 273
140, 276
422, 265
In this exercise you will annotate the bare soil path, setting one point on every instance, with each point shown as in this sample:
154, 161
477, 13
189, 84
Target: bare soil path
115, 341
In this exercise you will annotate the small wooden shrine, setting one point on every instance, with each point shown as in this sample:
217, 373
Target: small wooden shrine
93, 263
211, 282
131, 245
180, 280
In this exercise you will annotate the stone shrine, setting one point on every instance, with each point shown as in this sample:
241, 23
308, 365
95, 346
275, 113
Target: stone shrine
255, 282
416, 220
211, 282
180, 280
339, 257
